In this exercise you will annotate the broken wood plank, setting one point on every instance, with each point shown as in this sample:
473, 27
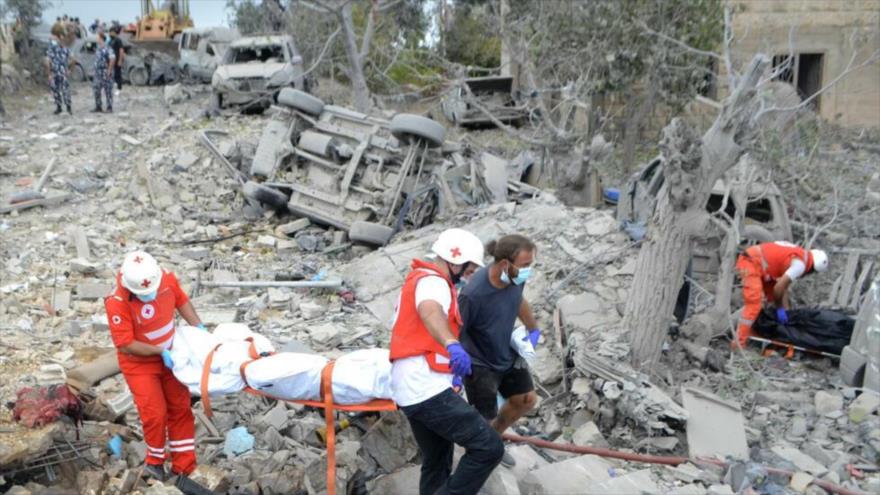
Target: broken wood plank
832, 294
849, 277
857, 288
47, 201
207, 423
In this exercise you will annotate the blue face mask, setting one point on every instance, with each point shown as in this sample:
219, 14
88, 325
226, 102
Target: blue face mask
521, 277
147, 297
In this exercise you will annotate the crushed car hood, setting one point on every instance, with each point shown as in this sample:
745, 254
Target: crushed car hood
237, 71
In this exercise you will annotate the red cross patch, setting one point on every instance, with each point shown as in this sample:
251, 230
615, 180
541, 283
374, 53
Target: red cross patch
146, 283
148, 311
455, 252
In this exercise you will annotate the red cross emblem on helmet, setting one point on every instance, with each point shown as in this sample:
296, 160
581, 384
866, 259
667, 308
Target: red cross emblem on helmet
456, 252
137, 259
146, 283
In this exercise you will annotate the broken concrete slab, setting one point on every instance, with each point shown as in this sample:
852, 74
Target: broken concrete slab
61, 300
863, 406
502, 481
800, 460
827, 402
527, 460
589, 434
546, 367
50, 374
212, 478
568, 476
800, 481
637, 482
92, 290
405, 480
275, 417
390, 441
715, 427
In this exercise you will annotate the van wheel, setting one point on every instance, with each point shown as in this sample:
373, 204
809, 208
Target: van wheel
138, 76
301, 101
78, 74
408, 128
372, 233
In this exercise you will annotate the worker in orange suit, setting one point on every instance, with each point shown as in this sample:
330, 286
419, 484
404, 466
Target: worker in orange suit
769, 269
141, 316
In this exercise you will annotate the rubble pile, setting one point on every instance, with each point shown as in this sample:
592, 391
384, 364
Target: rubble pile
140, 179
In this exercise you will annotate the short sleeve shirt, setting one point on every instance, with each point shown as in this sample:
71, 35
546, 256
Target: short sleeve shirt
59, 57
488, 316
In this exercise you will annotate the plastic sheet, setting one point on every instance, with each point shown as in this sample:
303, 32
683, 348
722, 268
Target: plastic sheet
817, 329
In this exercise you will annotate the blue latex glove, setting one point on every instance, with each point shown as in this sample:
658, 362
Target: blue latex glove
201, 326
459, 360
533, 337
115, 446
782, 316
457, 384
166, 358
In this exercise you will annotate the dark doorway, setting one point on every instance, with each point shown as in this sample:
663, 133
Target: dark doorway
803, 71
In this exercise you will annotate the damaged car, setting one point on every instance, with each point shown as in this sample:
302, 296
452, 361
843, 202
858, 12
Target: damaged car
202, 50
363, 174
765, 217
140, 68
495, 94
255, 69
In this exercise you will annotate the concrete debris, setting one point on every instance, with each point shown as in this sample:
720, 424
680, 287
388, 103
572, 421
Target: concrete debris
715, 427
140, 179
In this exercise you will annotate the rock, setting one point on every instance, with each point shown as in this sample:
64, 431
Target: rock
160, 489
390, 442
799, 481
404, 480
600, 225
818, 453
327, 334
238, 441
589, 434
311, 310
719, 490
84, 266
584, 311
687, 473
580, 387
212, 478
691, 489
786, 399
308, 243
798, 428
266, 241
275, 417
18, 490
547, 367
664, 444
91, 482
827, 402
864, 405
569, 476
288, 229
289, 479
50, 374
196, 253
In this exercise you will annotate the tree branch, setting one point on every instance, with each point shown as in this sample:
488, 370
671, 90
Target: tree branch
323, 51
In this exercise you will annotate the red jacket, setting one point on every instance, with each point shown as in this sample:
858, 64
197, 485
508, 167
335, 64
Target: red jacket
410, 337
776, 258
152, 322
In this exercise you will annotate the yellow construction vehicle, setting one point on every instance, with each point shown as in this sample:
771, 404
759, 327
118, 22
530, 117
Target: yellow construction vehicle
164, 23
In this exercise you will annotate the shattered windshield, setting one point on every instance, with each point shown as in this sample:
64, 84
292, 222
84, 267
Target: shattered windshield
255, 54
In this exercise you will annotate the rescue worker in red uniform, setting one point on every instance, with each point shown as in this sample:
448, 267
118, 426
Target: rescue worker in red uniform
425, 352
769, 269
141, 317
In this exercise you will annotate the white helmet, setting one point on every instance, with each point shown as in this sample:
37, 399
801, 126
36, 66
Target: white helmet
459, 247
820, 260
140, 273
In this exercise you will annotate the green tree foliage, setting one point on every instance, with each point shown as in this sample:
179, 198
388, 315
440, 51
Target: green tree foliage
473, 39
251, 16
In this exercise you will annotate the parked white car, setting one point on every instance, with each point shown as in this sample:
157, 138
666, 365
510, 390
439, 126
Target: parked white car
202, 50
255, 69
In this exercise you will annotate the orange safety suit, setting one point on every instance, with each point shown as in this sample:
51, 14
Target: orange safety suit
161, 400
759, 267
410, 336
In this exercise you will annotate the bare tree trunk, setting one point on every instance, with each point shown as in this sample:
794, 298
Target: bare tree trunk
691, 167
634, 126
360, 91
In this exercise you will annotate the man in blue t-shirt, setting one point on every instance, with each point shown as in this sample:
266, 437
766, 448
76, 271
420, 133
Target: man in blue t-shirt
490, 304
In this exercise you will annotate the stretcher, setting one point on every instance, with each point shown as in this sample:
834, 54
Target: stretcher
789, 348
326, 403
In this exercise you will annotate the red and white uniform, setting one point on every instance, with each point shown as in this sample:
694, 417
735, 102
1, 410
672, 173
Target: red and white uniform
759, 268
162, 401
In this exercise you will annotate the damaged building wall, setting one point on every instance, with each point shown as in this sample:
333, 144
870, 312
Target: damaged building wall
825, 32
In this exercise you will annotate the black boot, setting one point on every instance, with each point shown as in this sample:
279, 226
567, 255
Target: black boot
156, 472
69, 110
109, 109
57, 110
97, 109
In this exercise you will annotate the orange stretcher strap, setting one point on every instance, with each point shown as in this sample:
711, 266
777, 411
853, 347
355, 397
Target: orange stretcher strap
325, 403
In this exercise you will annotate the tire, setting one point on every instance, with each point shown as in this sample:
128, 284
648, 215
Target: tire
138, 76
370, 233
409, 128
265, 195
78, 74
301, 101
